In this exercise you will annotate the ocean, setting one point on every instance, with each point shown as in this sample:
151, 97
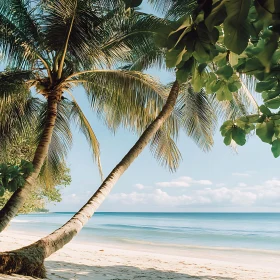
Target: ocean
180, 231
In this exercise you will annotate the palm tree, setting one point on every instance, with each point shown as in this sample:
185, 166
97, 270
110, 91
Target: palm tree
194, 112
54, 46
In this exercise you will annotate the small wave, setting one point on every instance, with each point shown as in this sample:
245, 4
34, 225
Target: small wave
22, 221
197, 247
120, 226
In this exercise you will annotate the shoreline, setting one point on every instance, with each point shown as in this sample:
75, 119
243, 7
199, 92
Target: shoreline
89, 260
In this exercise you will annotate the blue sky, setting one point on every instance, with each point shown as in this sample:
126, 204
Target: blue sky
220, 180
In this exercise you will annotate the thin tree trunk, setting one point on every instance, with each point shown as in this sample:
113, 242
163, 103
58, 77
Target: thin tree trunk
19, 196
29, 260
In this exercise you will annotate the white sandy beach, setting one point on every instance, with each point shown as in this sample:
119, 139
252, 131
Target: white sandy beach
99, 262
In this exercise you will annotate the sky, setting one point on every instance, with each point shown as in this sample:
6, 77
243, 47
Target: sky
221, 180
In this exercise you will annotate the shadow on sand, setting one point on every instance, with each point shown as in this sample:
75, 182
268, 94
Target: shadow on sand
66, 270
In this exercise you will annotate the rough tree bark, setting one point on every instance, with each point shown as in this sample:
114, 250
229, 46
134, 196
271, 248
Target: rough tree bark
29, 260
19, 196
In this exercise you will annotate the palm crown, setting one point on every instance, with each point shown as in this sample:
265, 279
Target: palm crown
71, 43
54, 46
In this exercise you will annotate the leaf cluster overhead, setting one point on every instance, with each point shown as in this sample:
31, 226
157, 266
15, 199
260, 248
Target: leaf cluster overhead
216, 42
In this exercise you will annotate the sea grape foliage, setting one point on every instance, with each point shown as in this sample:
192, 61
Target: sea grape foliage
13, 177
219, 41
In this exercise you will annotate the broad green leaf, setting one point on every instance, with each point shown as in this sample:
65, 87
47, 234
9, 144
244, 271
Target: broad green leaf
225, 72
187, 55
261, 119
236, 36
235, 86
227, 125
275, 148
265, 110
182, 76
183, 22
217, 16
251, 66
236, 26
265, 85
228, 137
197, 81
221, 59
201, 53
215, 85
273, 103
250, 118
174, 57
277, 130
183, 73
247, 127
224, 94
269, 46
2, 191
265, 131
162, 38
239, 135
270, 94
206, 36
264, 13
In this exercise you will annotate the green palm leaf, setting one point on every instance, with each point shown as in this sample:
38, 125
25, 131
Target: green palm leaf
244, 102
165, 150
122, 96
83, 124
18, 108
18, 34
197, 116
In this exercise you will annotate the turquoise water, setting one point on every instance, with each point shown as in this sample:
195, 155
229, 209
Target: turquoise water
228, 230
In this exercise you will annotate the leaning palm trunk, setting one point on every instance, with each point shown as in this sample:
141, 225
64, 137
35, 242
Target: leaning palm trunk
18, 198
29, 260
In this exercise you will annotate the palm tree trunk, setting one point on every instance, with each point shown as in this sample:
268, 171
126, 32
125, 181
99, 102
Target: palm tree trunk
18, 198
29, 260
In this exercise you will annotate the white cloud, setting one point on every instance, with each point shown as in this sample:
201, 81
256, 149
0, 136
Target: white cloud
241, 174
139, 186
273, 182
183, 182
157, 197
267, 194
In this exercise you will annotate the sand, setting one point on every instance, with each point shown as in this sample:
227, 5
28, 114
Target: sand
90, 261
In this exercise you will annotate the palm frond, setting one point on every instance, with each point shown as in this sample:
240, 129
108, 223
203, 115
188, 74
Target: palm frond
127, 98
134, 38
132, 100
165, 150
197, 116
49, 173
74, 23
19, 35
83, 124
18, 108
244, 102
